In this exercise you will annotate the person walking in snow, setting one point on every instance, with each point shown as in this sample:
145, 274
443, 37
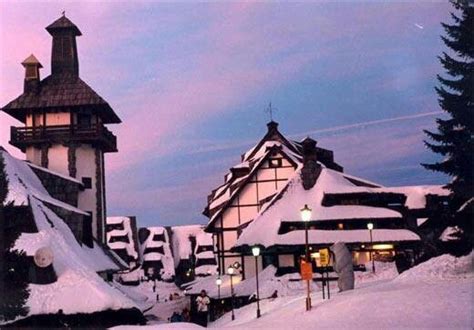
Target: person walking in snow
203, 302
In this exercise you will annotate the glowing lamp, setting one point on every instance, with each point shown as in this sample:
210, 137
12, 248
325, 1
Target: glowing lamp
305, 213
256, 251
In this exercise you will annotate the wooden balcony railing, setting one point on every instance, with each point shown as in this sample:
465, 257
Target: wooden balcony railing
95, 134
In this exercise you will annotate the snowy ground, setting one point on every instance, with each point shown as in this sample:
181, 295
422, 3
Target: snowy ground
157, 312
436, 294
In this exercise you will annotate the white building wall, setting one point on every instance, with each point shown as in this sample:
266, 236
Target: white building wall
58, 159
33, 155
86, 167
58, 118
248, 195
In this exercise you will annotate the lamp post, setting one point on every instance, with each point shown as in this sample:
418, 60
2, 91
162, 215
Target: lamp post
306, 217
370, 226
219, 283
256, 253
230, 271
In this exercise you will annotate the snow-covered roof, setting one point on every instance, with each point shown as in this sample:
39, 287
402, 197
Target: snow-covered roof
166, 258
78, 289
23, 184
251, 161
415, 195
204, 239
180, 240
285, 207
127, 231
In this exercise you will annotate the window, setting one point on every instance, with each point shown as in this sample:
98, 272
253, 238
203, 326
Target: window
159, 237
84, 120
87, 230
87, 182
157, 249
115, 226
204, 248
275, 162
123, 239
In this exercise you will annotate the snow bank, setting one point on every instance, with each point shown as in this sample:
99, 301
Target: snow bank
164, 326
445, 267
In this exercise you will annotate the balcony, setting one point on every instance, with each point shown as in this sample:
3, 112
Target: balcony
95, 134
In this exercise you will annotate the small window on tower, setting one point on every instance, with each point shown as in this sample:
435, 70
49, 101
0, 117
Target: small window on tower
87, 182
84, 120
276, 162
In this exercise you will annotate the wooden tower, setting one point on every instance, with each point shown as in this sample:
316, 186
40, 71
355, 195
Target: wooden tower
64, 122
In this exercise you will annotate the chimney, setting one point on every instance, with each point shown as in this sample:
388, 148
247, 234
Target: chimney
32, 75
311, 169
64, 57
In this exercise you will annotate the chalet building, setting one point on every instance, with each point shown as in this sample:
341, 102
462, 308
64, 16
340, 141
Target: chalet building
64, 125
193, 253
122, 238
260, 201
263, 171
155, 253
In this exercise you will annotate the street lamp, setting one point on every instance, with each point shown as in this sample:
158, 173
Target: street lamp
219, 283
370, 226
256, 253
306, 217
230, 271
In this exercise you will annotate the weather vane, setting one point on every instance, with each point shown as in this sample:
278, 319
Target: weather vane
270, 110
64, 13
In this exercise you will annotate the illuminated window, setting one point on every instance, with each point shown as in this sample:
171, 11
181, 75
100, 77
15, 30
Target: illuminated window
275, 162
340, 226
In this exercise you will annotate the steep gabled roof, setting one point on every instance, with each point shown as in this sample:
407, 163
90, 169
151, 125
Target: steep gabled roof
75, 265
234, 189
241, 173
61, 91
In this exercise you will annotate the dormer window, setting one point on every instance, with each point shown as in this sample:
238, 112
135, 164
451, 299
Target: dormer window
275, 162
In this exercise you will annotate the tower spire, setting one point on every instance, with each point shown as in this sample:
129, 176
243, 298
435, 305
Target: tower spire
64, 57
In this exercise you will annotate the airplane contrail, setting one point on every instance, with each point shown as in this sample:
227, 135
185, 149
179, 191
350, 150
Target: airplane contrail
244, 144
369, 123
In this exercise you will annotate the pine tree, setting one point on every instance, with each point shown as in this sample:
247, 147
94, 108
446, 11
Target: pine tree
13, 273
454, 138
